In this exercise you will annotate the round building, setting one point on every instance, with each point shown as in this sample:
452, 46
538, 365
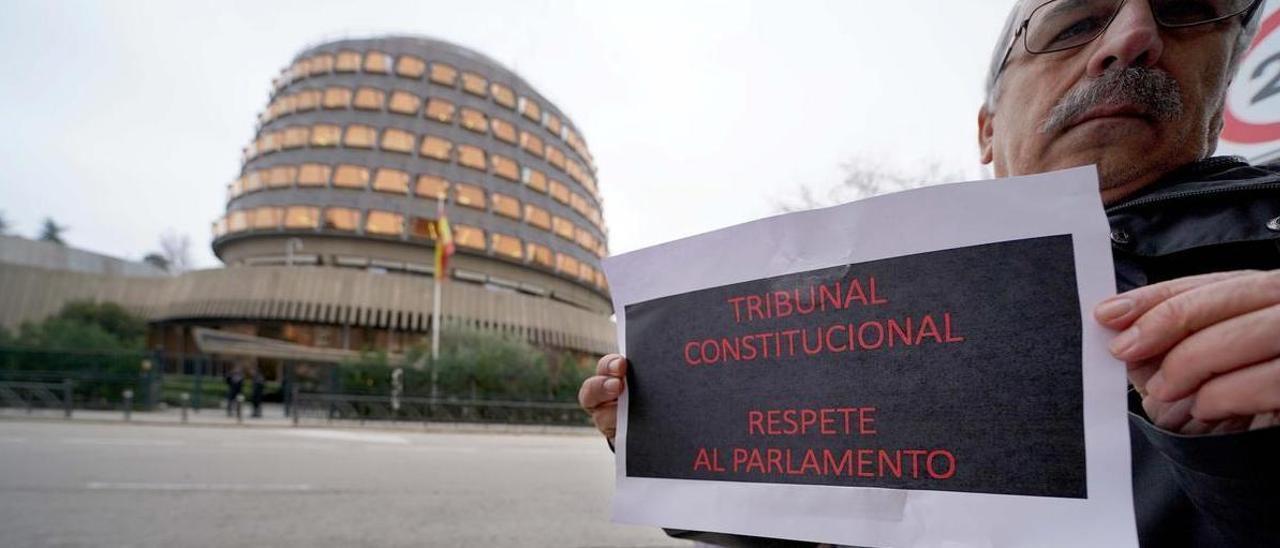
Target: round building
361, 143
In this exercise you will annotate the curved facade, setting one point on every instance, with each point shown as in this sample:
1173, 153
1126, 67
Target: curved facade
362, 138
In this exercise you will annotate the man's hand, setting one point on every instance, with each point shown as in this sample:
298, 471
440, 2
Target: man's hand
1203, 351
599, 394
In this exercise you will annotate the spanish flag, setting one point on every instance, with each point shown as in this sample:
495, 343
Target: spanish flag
444, 242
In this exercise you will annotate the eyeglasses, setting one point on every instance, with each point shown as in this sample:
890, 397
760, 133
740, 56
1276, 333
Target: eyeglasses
1059, 25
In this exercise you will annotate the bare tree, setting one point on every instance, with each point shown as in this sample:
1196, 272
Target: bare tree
4, 224
865, 178
52, 232
175, 249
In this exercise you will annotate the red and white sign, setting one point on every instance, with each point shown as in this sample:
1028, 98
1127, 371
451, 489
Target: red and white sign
1251, 120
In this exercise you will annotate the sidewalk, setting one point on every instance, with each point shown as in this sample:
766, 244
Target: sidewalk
273, 417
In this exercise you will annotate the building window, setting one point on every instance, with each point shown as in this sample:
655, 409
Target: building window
552, 122
537, 216
578, 203
443, 74
308, 100
397, 140
505, 205
507, 246
335, 98
555, 157
349, 176
468, 236
505, 167
341, 218
296, 137
237, 221
409, 66
531, 143
299, 70
472, 157
325, 135
535, 179
584, 239
435, 148
539, 254
474, 84
281, 176
529, 108
562, 227
384, 223
574, 169
270, 142
474, 120
559, 192
586, 273
360, 136
313, 175
347, 61
422, 228
301, 217
503, 130
321, 64
266, 218
403, 102
253, 181
377, 62
391, 180
566, 264
369, 99
503, 95
431, 186
235, 188
440, 110
469, 195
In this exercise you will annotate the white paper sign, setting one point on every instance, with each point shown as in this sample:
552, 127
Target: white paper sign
914, 369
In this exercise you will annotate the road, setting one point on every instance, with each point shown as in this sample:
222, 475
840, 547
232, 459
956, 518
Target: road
83, 484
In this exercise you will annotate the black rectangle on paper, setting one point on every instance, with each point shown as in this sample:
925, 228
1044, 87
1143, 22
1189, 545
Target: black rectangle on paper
955, 370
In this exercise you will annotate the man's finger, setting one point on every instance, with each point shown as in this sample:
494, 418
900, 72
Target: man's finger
1220, 348
599, 390
1173, 319
606, 419
613, 365
1246, 392
1120, 311
1140, 372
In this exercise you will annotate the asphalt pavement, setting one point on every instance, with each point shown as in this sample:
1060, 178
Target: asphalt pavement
77, 483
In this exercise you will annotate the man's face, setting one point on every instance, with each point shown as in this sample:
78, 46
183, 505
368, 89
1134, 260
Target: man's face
1131, 142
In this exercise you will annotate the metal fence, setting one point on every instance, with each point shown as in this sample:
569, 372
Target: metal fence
362, 408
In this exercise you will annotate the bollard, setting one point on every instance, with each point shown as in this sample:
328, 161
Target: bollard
128, 404
239, 409
67, 400
186, 398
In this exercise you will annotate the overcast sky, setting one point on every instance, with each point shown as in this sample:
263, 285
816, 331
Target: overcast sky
125, 119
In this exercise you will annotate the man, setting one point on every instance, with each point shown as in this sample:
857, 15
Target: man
1138, 87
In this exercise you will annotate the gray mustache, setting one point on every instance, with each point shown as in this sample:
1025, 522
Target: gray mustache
1154, 90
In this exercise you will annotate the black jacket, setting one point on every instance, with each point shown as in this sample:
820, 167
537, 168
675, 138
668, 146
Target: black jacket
1216, 215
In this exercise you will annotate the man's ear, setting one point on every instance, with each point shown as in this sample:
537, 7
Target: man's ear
986, 128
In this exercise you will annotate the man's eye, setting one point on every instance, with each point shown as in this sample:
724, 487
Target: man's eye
1081, 28
1182, 13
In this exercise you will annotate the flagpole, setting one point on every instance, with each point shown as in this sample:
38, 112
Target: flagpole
435, 322
437, 297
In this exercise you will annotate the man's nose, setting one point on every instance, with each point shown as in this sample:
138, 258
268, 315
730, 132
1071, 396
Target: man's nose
1132, 40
